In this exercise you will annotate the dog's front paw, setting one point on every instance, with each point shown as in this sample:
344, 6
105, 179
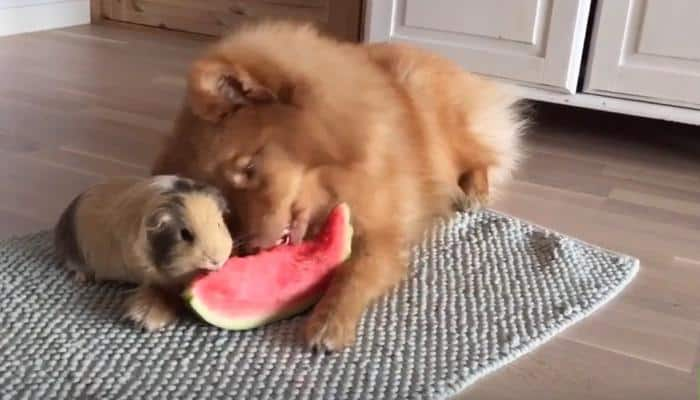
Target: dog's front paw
327, 330
476, 200
149, 308
475, 191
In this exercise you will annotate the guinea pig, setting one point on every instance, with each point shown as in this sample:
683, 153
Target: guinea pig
155, 232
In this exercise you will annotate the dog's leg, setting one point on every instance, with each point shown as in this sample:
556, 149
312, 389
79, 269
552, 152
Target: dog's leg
475, 189
377, 264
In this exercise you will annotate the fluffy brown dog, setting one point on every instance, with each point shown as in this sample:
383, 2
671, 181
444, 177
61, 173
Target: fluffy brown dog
288, 123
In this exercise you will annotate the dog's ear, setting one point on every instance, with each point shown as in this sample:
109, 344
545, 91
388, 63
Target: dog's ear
217, 88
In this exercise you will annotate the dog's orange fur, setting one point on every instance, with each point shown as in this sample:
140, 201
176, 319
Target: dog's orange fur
288, 123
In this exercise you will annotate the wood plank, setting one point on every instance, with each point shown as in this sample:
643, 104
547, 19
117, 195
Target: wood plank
86, 163
562, 369
95, 11
36, 189
653, 176
641, 333
216, 17
14, 224
657, 201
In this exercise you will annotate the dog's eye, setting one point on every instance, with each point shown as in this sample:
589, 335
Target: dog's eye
249, 169
238, 179
244, 173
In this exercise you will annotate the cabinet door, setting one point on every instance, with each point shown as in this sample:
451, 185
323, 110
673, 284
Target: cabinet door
648, 50
538, 42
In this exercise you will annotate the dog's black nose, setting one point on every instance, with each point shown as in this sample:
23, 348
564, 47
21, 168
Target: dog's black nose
249, 250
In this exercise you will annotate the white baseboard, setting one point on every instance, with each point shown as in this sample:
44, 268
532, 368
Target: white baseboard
37, 17
617, 105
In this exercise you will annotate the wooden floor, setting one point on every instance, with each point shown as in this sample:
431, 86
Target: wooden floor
80, 104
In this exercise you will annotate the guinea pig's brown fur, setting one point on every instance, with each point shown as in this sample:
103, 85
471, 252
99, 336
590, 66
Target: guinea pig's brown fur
154, 232
287, 123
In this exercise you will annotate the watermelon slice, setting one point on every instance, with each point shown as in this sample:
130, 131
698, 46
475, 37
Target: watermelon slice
251, 291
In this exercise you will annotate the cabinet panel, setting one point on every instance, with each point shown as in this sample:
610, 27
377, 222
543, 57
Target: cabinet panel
671, 31
459, 16
536, 42
647, 50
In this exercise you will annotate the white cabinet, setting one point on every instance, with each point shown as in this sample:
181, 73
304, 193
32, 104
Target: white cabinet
532, 41
648, 50
643, 58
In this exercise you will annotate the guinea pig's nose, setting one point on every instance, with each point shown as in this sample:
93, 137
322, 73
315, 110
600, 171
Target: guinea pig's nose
213, 265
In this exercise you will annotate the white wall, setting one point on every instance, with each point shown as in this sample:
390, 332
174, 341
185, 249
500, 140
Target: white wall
25, 3
18, 16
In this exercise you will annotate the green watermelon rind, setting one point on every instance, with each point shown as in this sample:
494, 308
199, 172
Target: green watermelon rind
239, 324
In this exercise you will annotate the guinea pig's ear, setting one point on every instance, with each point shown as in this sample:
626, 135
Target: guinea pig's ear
159, 219
217, 88
222, 203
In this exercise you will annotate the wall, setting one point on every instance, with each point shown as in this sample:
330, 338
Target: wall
18, 16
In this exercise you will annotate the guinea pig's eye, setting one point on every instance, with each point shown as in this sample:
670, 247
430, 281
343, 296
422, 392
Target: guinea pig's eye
186, 235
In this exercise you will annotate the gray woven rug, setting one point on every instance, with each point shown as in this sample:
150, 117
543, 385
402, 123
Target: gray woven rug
484, 289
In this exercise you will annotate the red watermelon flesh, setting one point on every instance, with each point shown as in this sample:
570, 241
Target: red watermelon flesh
251, 291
